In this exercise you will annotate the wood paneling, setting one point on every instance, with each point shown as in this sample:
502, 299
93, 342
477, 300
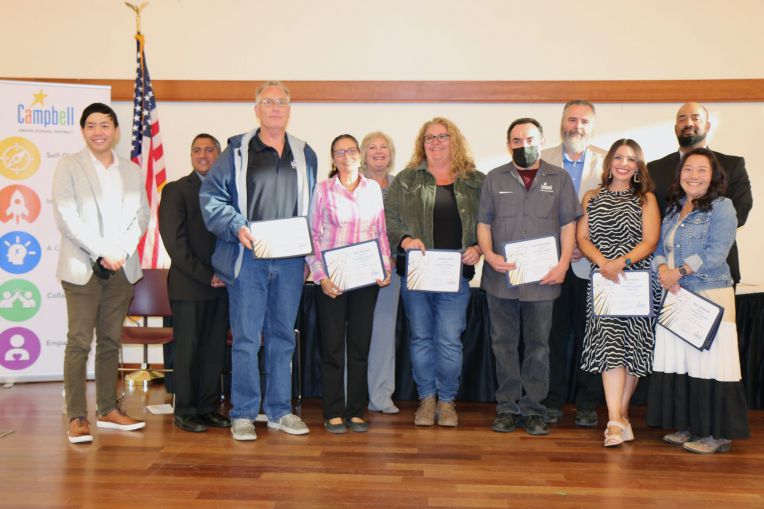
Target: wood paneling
394, 465
740, 90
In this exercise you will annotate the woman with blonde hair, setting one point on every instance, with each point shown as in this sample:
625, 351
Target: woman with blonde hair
377, 161
433, 204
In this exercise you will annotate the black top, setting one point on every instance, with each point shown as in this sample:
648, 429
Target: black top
447, 225
271, 182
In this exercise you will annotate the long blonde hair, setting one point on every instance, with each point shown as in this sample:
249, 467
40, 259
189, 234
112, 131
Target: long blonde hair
462, 163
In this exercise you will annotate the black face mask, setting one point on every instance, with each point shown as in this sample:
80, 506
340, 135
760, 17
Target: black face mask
690, 140
525, 157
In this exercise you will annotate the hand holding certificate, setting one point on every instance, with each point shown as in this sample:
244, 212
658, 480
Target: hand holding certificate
435, 270
355, 266
281, 238
631, 296
533, 259
690, 317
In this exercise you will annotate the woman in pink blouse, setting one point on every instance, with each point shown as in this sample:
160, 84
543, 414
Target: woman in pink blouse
346, 209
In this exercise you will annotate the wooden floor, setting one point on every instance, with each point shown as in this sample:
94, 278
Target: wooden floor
395, 465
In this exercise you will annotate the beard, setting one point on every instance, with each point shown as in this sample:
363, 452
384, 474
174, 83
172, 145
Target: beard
575, 141
689, 138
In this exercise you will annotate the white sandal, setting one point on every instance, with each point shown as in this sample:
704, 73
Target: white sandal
611, 440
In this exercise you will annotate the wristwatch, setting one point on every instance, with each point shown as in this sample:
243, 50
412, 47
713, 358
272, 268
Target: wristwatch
627, 262
682, 271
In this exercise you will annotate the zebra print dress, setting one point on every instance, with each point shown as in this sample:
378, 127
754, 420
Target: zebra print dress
615, 227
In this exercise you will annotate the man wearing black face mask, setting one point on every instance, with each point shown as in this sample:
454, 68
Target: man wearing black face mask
525, 199
691, 128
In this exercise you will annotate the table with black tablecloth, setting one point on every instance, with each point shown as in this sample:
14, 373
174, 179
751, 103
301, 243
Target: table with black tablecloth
478, 381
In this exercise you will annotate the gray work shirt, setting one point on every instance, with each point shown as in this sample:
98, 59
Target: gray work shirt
516, 214
271, 181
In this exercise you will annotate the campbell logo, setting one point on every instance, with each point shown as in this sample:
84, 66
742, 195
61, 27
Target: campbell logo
37, 113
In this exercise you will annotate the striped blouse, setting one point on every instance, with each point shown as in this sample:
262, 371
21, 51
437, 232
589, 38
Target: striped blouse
339, 217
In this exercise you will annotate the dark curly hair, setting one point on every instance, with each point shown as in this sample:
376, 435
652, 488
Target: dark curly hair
644, 183
716, 188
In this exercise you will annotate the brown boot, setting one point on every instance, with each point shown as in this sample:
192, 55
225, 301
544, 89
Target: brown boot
79, 431
425, 414
447, 413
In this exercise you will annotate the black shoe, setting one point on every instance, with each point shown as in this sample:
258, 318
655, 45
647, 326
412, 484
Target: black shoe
586, 418
505, 422
358, 427
553, 415
535, 425
214, 420
189, 423
337, 429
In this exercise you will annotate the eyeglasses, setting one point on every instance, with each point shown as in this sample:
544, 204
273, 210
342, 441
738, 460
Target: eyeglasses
442, 138
349, 151
268, 102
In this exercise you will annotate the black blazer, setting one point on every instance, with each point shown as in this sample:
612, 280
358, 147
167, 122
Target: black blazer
738, 190
187, 241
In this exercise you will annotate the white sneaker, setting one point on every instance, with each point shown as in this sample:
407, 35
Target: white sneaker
291, 424
243, 429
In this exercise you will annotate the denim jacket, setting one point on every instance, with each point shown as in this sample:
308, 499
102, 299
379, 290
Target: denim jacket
702, 241
410, 201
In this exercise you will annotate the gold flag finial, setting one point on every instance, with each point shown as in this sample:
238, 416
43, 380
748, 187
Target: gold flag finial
137, 10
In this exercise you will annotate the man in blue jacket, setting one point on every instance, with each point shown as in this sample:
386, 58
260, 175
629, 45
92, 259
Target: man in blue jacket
264, 174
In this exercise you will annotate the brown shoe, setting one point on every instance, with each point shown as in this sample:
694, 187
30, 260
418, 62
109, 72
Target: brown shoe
447, 413
79, 431
425, 414
117, 420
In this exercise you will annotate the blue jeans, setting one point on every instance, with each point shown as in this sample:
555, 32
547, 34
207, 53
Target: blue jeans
264, 301
521, 388
436, 323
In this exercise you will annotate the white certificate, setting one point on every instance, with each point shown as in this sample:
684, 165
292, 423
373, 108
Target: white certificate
632, 296
281, 238
354, 266
437, 270
691, 317
533, 257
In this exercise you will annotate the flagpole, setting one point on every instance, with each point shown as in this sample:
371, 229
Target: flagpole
137, 10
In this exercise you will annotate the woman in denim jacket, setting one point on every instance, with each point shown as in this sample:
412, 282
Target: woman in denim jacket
698, 393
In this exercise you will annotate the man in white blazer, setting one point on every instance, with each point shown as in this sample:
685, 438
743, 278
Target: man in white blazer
584, 164
100, 207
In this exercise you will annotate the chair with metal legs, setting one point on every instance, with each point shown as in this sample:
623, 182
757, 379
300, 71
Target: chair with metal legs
150, 299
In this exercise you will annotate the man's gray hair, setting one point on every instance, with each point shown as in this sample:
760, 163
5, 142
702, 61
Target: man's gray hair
271, 83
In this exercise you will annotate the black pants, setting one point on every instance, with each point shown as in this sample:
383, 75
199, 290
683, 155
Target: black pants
566, 380
345, 320
199, 333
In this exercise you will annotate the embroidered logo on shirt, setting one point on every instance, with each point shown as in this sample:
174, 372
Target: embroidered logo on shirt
294, 165
546, 188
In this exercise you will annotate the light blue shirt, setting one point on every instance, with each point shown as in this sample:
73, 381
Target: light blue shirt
574, 168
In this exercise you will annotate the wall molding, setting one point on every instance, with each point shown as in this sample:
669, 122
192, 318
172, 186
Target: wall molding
648, 91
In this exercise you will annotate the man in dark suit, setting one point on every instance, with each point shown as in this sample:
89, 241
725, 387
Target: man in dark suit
691, 128
197, 296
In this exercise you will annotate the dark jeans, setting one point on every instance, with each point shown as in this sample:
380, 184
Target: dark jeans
199, 333
100, 305
566, 339
346, 320
521, 388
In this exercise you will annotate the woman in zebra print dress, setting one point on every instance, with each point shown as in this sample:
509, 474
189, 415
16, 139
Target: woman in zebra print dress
619, 230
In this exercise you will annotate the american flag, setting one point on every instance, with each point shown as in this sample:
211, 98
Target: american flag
148, 153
